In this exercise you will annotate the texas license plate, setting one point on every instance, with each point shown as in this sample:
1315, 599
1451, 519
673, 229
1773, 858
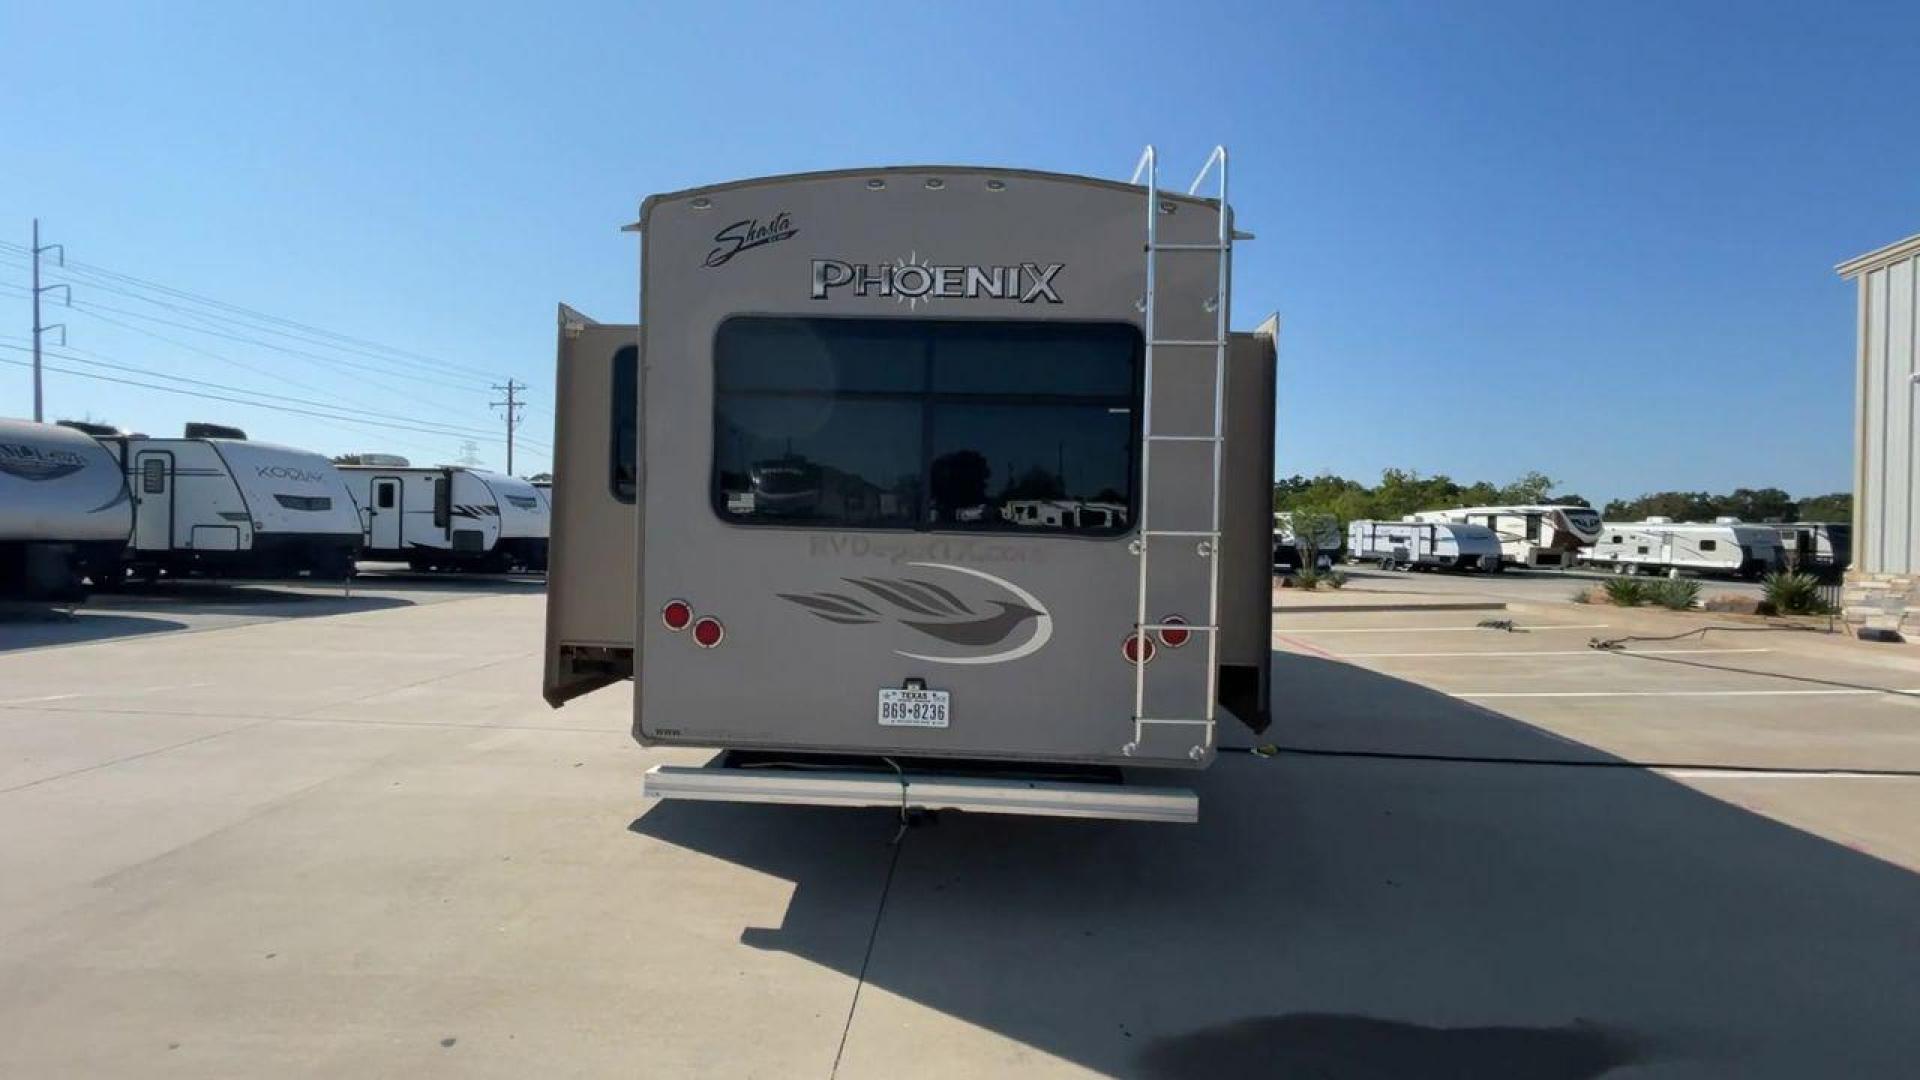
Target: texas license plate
913, 708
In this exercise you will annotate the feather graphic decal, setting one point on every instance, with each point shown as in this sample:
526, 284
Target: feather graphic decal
938, 612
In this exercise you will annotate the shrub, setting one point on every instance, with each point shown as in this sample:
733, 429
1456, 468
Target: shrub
1626, 591
1307, 579
1789, 593
1336, 580
1680, 594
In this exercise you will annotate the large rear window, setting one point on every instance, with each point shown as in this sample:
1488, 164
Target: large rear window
926, 424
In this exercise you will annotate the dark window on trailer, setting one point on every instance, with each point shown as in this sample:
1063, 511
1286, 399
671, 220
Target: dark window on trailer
384, 499
1709, 545
1012, 427
304, 502
623, 447
153, 476
1642, 550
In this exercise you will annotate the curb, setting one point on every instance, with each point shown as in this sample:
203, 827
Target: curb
1368, 609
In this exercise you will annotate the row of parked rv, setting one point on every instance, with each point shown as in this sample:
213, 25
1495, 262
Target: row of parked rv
1490, 538
86, 505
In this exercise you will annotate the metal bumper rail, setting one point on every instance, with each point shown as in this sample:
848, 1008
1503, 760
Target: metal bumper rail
982, 795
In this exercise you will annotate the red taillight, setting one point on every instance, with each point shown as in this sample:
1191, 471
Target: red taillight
708, 632
677, 615
1131, 649
1170, 637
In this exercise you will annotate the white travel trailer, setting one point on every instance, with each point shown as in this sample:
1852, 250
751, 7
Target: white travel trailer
948, 340
1530, 536
450, 518
1424, 545
1659, 545
215, 503
64, 512
1289, 553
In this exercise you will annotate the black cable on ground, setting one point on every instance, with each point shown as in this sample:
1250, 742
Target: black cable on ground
1615, 643
1272, 750
1704, 666
872, 934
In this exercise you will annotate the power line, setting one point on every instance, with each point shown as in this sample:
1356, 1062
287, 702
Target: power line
87, 310
183, 294
239, 401
81, 357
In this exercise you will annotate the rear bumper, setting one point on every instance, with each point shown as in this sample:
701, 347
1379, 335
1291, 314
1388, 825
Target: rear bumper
924, 791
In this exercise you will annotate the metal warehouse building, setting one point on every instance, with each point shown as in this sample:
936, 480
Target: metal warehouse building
1883, 588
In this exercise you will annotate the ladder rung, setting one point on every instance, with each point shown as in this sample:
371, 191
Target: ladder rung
1189, 247
1178, 626
1183, 532
1193, 342
1184, 438
1172, 720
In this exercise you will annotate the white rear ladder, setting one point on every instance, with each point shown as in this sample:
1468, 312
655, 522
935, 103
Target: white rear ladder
1207, 541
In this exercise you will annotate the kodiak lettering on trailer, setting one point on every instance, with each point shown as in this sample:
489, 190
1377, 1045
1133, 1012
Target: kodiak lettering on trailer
1026, 283
288, 472
31, 463
751, 233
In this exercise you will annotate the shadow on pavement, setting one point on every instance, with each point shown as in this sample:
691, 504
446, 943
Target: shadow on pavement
30, 630
1344, 917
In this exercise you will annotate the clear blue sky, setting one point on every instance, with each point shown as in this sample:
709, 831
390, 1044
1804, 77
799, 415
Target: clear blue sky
1595, 240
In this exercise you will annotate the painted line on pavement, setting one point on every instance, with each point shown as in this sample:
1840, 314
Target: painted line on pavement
1555, 652
1683, 693
1432, 629
1726, 774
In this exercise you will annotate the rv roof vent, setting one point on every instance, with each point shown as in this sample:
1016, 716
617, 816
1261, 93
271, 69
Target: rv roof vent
1726, 521
1659, 521
88, 427
199, 430
385, 461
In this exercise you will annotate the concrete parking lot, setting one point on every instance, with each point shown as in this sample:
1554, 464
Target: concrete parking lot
357, 843
1523, 586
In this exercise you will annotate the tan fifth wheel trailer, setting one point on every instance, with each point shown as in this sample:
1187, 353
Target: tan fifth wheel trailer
913, 484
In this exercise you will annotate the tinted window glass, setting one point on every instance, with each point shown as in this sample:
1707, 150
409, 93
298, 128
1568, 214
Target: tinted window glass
384, 500
1011, 427
153, 476
1069, 359
1030, 466
820, 355
800, 459
624, 449
1709, 545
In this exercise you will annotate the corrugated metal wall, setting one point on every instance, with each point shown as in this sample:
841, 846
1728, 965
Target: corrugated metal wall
1886, 533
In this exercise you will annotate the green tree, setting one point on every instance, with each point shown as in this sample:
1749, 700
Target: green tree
1755, 504
1530, 489
1835, 507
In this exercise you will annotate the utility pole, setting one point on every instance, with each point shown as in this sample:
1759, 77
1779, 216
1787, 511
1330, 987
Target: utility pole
38, 329
512, 406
